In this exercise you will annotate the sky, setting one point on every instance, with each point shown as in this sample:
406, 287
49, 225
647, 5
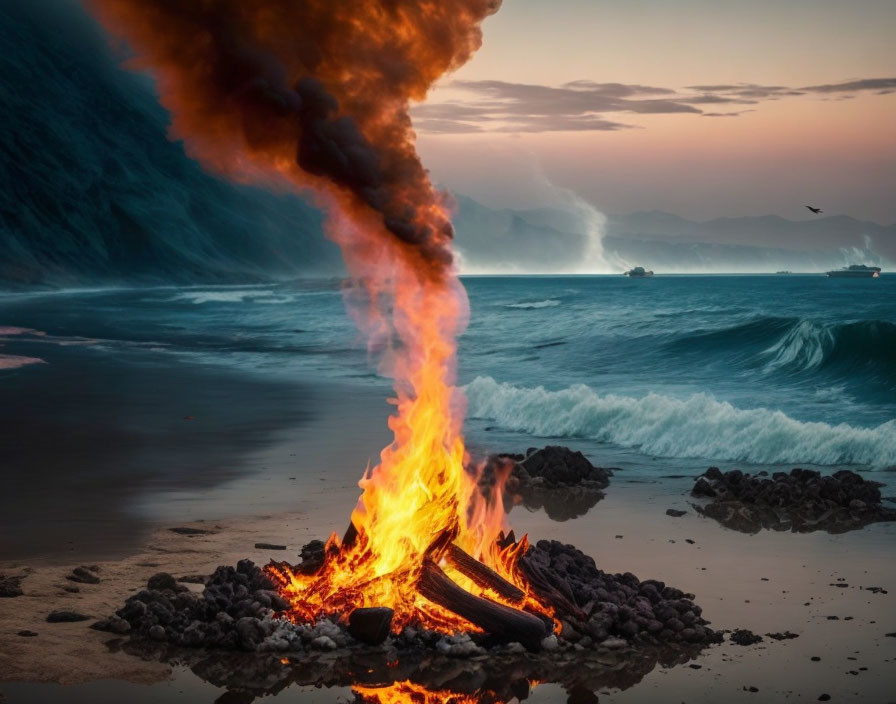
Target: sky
703, 108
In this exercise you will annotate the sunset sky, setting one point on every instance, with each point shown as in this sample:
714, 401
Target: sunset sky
702, 108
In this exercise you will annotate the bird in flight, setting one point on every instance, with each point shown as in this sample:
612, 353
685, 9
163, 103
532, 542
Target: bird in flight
815, 210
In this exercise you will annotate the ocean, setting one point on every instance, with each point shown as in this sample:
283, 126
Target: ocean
166, 402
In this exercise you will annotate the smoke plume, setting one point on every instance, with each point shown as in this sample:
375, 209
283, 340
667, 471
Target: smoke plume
315, 94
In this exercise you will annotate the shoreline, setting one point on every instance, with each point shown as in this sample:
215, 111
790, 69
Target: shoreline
768, 582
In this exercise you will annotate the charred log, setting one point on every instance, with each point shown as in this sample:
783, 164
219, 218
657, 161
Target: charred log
483, 575
370, 625
502, 622
542, 584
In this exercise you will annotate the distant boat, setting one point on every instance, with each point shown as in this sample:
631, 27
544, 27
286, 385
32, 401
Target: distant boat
783, 272
638, 272
856, 271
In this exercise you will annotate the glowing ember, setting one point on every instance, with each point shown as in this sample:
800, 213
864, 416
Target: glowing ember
315, 95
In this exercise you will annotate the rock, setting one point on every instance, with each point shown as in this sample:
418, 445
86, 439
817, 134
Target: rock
162, 581
83, 575
742, 636
324, 643
115, 624
269, 546
786, 635
703, 488
10, 587
824, 697
801, 501
554, 478
157, 632
66, 617
370, 625
675, 513
27, 634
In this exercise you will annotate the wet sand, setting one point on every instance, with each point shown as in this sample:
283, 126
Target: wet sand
769, 582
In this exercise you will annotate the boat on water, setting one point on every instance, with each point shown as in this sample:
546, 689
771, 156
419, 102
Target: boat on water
638, 272
856, 271
783, 273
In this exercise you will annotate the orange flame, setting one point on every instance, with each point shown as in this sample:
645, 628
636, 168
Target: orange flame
314, 95
404, 692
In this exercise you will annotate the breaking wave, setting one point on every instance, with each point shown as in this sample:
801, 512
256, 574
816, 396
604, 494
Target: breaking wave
697, 426
810, 345
799, 345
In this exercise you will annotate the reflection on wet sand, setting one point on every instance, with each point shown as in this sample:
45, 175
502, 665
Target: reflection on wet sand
560, 504
386, 676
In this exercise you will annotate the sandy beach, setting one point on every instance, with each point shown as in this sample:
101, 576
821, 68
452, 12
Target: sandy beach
768, 583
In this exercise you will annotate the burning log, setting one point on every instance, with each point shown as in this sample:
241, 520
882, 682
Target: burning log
483, 575
501, 621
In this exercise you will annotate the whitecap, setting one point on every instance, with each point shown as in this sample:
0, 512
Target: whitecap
698, 426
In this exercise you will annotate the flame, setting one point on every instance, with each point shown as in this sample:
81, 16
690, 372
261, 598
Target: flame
404, 692
314, 95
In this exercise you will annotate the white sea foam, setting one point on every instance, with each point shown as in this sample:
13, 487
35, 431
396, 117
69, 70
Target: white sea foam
697, 426
549, 303
804, 347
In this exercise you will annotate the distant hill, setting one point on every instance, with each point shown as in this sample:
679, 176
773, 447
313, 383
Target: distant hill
551, 240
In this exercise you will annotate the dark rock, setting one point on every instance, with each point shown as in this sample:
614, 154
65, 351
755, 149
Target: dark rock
675, 513
27, 634
370, 625
824, 697
162, 581
703, 488
581, 695
741, 636
66, 617
235, 696
623, 606
801, 501
71, 589
554, 478
786, 635
815, 658
115, 624
313, 555
83, 575
269, 546
10, 587
751, 689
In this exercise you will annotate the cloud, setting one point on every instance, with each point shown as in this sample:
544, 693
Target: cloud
583, 105
876, 84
